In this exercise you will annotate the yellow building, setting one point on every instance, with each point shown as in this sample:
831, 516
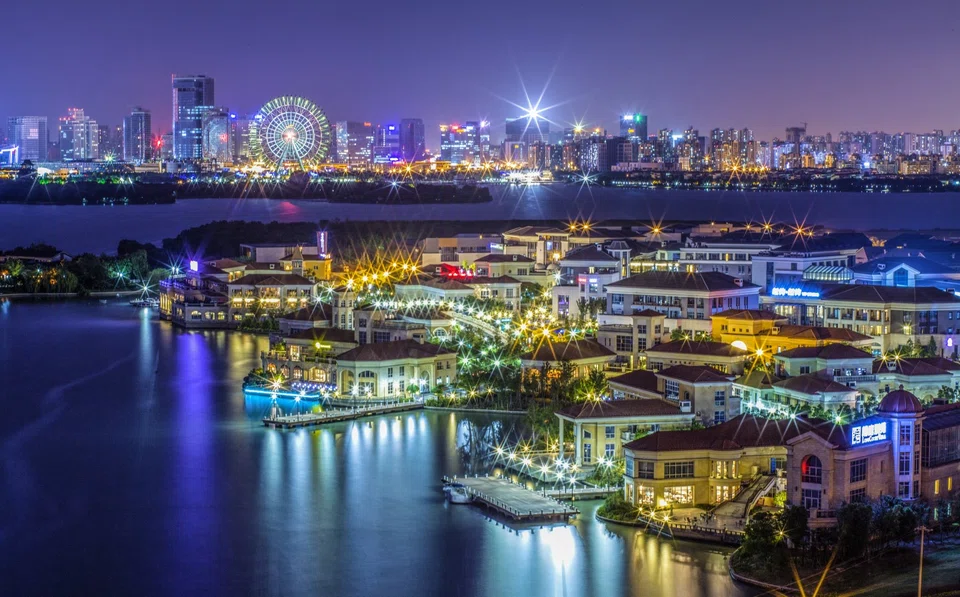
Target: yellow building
760, 330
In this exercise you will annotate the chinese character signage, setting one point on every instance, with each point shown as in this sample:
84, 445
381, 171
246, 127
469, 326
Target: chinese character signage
868, 433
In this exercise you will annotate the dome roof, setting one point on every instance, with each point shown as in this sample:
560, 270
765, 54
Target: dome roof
900, 401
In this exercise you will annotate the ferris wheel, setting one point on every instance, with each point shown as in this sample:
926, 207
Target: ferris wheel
290, 129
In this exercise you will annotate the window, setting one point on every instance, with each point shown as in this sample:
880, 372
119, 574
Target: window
402, 370
624, 343
609, 450
858, 470
811, 470
362, 337
678, 470
810, 499
628, 467
644, 495
672, 389
916, 434
905, 434
903, 489
587, 453
678, 495
719, 416
642, 328
641, 343
804, 370
389, 387
645, 469
389, 371
609, 431
720, 398
904, 468
777, 464
858, 495
936, 487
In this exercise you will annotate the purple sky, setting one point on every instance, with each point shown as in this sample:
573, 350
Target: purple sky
854, 64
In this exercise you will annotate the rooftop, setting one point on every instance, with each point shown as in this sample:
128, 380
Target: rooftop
489, 280
324, 335
276, 279
690, 282
640, 379
889, 263
743, 431
916, 366
572, 350
694, 374
900, 402
646, 407
812, 384
863, 293
750, 315
499, 258
827, 352
392, 351
317, 312
701, 347
589, 253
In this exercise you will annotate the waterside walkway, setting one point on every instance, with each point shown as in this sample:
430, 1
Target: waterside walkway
335, 416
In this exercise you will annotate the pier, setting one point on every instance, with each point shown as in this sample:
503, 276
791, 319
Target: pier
581, 493
513, 500
336, 416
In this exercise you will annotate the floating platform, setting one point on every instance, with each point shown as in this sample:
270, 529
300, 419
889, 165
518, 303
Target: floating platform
514, 501
336, 416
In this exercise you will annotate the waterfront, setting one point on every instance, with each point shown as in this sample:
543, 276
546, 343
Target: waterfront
133, 465
98, 229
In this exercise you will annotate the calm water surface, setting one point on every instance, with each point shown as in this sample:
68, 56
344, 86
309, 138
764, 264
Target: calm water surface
98, 229
130, 464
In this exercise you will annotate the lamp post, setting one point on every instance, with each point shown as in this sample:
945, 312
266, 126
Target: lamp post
923, 529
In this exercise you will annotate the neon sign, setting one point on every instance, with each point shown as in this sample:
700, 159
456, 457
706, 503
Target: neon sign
869, 433
794, 292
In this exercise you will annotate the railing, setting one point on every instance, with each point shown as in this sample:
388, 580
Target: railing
856, 378
285, 356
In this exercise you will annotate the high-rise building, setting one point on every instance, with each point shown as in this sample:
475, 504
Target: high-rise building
355, 143
137, 136
634, 127
240, 137
386, 148
29, 134
110, 141
413, 141
527, 130
192, 96
216, 145
460, 144
79, 136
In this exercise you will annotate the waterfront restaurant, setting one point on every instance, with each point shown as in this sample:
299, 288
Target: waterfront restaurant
386, 369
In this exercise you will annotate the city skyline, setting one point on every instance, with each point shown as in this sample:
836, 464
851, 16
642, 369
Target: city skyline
753, 77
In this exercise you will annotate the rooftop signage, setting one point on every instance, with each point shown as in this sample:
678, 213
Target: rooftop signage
794, 292
868, 433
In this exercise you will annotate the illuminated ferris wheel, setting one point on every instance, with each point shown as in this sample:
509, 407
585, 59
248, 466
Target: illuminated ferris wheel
290, 129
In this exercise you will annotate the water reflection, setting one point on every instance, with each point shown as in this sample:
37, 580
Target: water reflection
197, 497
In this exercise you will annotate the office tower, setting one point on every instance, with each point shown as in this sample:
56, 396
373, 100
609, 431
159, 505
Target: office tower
165, 147
79, 136
192, 96
634, 127
386, 148
240, 137
354, 143
29, 134
216, 145
137, 136
527, 130
412, 139
460, 144
110, 141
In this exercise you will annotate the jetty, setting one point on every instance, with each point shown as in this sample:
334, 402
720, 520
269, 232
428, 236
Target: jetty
335, 416
581, 493
513, 500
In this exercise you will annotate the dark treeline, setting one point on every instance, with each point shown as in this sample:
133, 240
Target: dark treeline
112, 191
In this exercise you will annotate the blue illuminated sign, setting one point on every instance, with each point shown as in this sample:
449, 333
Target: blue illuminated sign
194, 266
868, 433
794, 292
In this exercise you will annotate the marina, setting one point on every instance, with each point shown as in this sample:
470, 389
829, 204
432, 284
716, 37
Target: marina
513, 500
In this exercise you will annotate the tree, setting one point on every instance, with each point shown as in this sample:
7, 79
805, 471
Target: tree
853, 521
947, 393
931, 350
793, 519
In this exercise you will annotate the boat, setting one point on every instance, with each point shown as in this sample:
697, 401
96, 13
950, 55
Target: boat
149, 303
456, 493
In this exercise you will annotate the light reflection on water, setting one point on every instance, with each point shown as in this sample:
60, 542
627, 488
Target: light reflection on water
156, 477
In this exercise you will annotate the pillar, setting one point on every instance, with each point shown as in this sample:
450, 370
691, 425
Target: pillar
561, 439
577, 447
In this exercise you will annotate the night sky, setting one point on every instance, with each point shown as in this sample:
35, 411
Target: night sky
854, 64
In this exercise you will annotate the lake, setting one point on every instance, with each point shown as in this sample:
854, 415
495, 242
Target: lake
132, 464
98, 229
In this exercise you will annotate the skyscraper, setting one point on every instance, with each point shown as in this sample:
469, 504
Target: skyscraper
137, 136
527, 130
412, 139
216, 135
354, 143
29, 133
634, 127
240, 137
386, 148
460, 144
110, 141
192, 95
79, 136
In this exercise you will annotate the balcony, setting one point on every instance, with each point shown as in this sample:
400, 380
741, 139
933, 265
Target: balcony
855, 378
274, 355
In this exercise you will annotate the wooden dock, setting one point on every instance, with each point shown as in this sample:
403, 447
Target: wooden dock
336, 416
581, 493
514, 501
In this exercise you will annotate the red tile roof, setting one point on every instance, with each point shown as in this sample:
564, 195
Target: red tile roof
827, 352
648, 407
811, 384
743, 431
498, 258
699, 282
750, 315
568, 351
391, 351
639, 379
910, 366
276, 279
694, 374
701, 347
